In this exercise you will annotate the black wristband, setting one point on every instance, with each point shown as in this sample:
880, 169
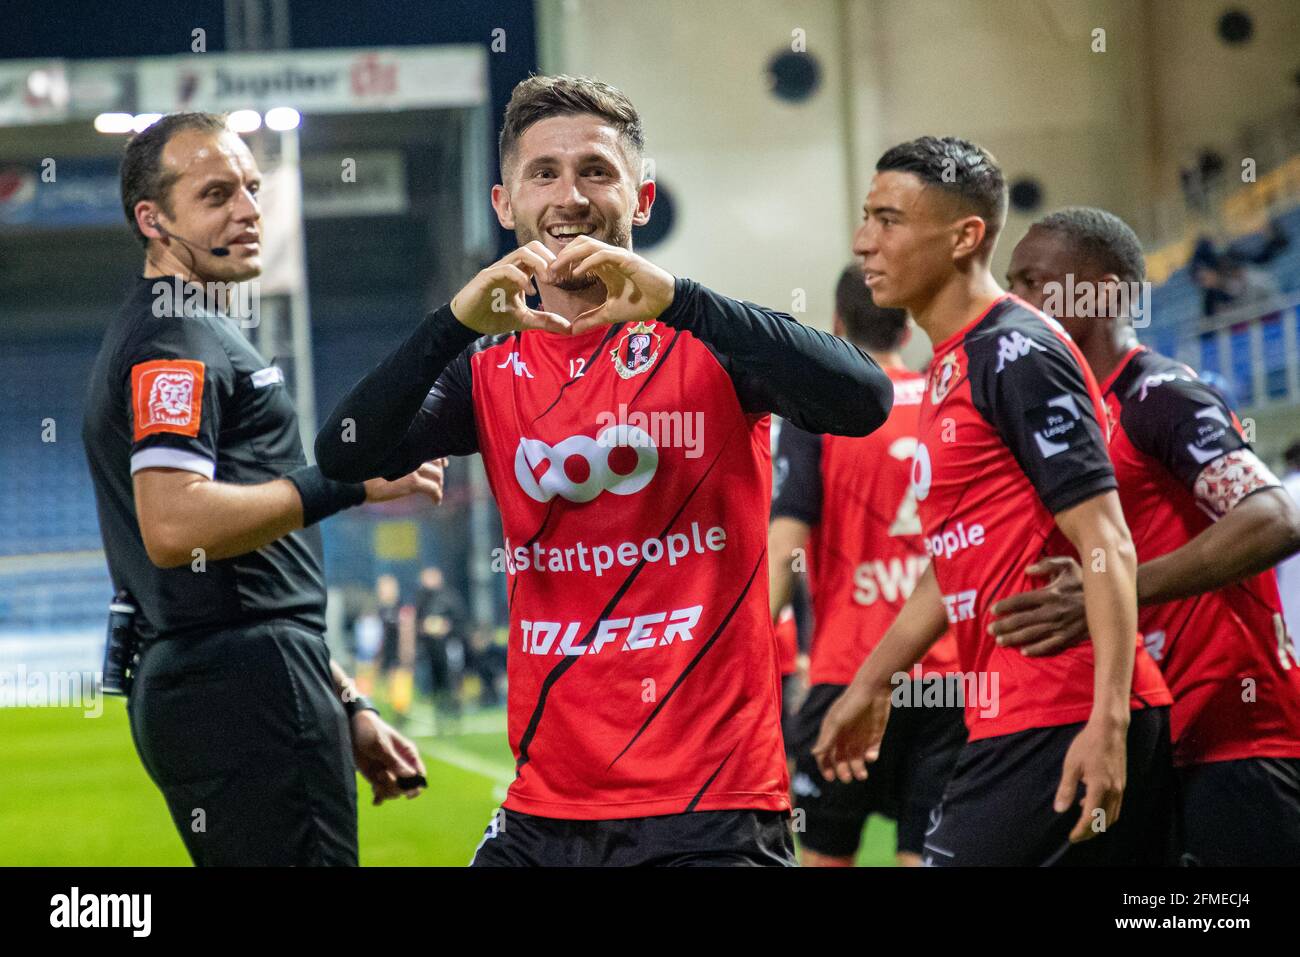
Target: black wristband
357, 703
321, 496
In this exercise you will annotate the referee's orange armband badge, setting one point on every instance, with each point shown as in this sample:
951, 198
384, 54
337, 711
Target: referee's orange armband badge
167, 396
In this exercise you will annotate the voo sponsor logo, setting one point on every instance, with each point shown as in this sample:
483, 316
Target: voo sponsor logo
621, 459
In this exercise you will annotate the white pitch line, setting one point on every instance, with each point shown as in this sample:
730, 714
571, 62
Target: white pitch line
441, 750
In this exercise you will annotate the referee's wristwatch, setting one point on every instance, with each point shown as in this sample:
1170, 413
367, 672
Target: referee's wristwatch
354, 704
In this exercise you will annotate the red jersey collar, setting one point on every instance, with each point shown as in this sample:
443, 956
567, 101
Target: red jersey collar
952, 339
1123, 363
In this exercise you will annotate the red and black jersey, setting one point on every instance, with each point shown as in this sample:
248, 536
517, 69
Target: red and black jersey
1011, 433
866, 551
1225, 654
632, 469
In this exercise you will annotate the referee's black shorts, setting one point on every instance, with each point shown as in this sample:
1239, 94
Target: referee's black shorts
244, 735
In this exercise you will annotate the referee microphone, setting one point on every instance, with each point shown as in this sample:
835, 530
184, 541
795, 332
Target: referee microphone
168, 234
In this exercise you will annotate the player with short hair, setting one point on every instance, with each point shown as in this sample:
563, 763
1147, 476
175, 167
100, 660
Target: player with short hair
624, 428
847, 504
1209, 522
1011, 469
208, 508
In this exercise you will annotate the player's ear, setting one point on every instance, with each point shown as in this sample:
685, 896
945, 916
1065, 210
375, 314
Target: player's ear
146, 219
501, 203
645, 198
970, 233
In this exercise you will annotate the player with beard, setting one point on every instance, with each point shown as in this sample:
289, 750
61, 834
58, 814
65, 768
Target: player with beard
624, 428
1011, 468
1209, 522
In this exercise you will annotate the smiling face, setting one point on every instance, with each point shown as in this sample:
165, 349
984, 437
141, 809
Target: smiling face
572, 176
212, 201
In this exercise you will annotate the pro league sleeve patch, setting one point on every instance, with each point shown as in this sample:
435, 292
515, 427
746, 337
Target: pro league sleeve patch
167, 396
1057, 425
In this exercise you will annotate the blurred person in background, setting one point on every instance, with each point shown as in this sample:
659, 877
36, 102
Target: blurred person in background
388, 607
208, 508
440, 624
847, 505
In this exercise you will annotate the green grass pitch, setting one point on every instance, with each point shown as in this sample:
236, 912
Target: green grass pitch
75, 795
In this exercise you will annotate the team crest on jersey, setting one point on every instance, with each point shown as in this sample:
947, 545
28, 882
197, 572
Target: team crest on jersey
944, 377
637, 350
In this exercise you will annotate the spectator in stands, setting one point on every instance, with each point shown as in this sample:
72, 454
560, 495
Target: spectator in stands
1234, 278
1288, 572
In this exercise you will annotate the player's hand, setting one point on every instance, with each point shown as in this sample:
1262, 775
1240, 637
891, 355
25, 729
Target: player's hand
1048, 620
383, 755
1097, 758
426, 480
493, 301
635, 288
851, 732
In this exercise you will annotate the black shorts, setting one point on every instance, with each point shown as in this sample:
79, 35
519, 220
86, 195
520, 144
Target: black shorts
1240, 812
697, 839
917, 755
245, 736
997, 809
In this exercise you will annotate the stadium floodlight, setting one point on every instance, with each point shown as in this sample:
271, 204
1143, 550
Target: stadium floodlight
114, 123
244, 121
145, 120
283, 118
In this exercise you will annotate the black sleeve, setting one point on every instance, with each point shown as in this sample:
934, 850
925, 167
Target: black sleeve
1181, 423
414, 406
797, 484
1029, 387
815, 380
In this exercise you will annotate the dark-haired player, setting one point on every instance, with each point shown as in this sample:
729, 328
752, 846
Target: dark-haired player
1209, 521
624, 428
1011, 445
207, 508
848, 504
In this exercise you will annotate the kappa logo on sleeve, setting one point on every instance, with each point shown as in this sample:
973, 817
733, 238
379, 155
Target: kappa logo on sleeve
1012, 347
167, 396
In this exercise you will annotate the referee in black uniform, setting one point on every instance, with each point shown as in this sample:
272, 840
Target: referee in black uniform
207, 508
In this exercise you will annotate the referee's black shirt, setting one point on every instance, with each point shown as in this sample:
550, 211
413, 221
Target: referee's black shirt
190, 392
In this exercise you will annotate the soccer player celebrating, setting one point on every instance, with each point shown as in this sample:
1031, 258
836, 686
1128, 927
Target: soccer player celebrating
850, 501
624, 427
1011, 468
1209, 521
